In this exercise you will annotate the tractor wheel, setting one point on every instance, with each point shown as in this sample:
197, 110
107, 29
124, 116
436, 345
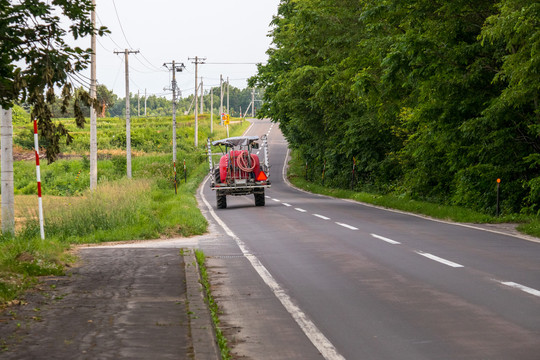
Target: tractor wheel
221, 200
259, 199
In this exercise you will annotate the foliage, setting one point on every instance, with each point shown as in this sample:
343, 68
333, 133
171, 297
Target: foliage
35, 58
432, 100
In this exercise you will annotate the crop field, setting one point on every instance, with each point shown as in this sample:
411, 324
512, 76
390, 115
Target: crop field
120, 209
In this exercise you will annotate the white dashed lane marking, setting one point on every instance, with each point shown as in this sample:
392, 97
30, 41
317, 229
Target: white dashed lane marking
521, 287
321, 217
439, 259
276, 200
390, 241
286, 204
347, 226
299, 209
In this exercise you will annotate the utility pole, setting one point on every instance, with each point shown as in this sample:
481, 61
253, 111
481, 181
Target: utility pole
253, 103
174, 68
197, 61
211, 109
138, 103
93, 115
128, 125
228, 110
144, 102
202, 96
8, 191
221, 99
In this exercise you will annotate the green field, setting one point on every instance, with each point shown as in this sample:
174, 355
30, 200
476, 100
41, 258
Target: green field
144, 207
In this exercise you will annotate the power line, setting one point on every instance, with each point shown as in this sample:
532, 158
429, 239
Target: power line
233, 63
120, 23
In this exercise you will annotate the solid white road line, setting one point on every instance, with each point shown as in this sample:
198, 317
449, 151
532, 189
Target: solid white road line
321, 216
390, 241
299, 209
439, 259
286, 204
317, 338
521, 287
347, 226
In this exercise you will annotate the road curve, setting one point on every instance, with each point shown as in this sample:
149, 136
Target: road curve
309, 277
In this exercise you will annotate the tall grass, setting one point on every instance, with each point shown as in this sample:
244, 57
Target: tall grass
144, 207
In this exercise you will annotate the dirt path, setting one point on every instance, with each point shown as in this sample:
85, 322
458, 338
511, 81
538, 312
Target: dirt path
118, 303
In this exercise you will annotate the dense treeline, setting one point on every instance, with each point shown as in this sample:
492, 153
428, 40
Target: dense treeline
433, 99
113, 106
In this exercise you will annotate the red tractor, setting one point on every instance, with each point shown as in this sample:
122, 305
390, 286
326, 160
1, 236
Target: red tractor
239, 171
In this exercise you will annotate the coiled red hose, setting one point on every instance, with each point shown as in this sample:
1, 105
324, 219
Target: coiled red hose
242, 161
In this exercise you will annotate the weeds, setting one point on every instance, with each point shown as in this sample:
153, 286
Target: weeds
212, 305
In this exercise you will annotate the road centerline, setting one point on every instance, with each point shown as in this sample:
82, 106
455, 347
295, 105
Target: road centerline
440, 259
321, 217
390, 241
521, 287
347, 226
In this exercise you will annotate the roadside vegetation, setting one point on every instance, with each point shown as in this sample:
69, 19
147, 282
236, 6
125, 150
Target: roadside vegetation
121, 209
213, 306
430, 102
301, 177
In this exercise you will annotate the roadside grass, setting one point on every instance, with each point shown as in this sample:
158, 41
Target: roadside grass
528, 224
212, 305
121, 209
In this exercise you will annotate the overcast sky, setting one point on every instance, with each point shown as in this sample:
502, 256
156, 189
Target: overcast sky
222, 31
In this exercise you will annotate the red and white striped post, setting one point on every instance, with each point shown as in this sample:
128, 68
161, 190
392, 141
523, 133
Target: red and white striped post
38, 175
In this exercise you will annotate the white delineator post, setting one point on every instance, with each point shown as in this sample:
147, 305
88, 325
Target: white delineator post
38, 176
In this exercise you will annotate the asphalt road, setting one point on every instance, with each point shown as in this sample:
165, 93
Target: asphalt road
310, 277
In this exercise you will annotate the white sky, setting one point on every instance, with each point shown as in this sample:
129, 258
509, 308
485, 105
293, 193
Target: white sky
222, 31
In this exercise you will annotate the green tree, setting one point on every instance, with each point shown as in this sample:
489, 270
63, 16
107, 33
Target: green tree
35, 57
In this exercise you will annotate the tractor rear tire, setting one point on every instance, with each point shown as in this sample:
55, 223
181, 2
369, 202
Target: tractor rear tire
259, 199
221, 200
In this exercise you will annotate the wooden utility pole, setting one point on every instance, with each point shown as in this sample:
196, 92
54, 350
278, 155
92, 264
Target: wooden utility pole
202, 96
93, 115
174, 68
253, 103
221, 99
8, 195
197, 61
128, 124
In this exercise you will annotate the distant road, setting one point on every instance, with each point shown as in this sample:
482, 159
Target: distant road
310, 277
